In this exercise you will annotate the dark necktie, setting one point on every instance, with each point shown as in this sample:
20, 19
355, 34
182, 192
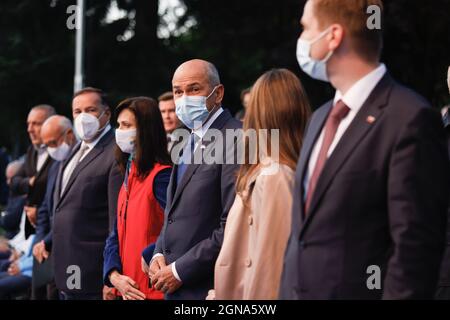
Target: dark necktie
187, 157
339, 112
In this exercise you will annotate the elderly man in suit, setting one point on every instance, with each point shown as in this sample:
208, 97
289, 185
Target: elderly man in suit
31, 180
59, 138
85, 200
199, 194
372, 179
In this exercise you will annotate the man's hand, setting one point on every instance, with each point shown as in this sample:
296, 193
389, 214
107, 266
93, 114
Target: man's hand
31, 181
39, 252
126, 286
155, 265
15, 255
144, 266
211, 295
108, 293
14, 269
4, 247
31, 214
164, 280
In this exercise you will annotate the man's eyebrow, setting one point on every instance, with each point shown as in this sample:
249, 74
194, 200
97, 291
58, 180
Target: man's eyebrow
189, 85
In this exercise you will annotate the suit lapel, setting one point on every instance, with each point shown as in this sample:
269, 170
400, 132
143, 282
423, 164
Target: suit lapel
191, 168
93, 153
357, 130
44, 167
57, 191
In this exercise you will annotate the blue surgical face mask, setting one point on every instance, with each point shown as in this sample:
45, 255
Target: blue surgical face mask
192, 110
316, 69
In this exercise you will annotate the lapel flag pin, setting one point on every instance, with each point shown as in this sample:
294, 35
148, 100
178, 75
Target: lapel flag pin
370, 119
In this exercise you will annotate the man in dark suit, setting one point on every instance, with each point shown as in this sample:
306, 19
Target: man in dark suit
31, 180
85, 200
372, 181
10, 218
199, 194
58, 136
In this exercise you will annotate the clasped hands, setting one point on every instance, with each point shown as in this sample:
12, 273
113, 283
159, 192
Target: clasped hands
161, 275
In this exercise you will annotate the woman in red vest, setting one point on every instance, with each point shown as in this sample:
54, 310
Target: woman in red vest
146, 165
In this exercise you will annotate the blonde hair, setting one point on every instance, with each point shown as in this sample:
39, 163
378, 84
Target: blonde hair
277, 101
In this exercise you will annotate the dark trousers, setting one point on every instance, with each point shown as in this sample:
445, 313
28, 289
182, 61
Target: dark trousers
80, 296
13, 285
4, 265
5, 255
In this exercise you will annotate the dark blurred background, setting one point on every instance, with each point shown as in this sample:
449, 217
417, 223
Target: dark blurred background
133, 47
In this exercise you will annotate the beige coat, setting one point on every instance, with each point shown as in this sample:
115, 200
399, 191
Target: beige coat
250, 262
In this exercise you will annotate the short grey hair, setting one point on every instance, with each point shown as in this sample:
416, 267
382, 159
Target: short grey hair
63, 124
45, 107
213, 74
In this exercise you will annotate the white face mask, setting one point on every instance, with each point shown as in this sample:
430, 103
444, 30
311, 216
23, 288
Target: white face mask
316, 69
192, 110
87, 126
125, 139
59, 153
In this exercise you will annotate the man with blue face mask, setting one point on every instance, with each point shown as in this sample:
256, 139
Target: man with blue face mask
58, 136
368, 221
199, 195
85, 200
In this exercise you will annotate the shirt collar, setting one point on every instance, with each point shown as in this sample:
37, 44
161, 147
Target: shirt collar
92, 144
200, 132
355, 97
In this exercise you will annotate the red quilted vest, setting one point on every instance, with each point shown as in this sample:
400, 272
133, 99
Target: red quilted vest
139, 223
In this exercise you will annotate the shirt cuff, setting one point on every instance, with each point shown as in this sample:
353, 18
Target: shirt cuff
174, 271
155, 256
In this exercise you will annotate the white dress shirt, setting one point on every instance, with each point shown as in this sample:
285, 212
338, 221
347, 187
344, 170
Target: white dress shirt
20, 241
200, 132
354, 98
71, 165
42, 156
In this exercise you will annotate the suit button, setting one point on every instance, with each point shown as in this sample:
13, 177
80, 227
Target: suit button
167, 251
248, 262
250, 220
170, 221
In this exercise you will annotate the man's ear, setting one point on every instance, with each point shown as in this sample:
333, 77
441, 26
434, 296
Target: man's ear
108, 111
220, 91
336, 36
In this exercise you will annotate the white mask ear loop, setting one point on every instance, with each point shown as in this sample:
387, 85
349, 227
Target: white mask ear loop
106, 124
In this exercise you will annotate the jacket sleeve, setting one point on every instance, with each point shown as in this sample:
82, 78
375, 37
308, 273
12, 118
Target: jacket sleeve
11, 220
200, 259
273, 223
43, 220
20, 183
418, 188
111, 257
114, 185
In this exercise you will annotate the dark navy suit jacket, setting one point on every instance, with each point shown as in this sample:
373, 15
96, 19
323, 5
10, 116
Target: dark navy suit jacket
380, 202
195, 216
45, 212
